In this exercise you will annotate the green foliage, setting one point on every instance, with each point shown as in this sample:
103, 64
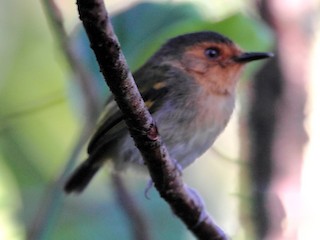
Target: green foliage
140, 38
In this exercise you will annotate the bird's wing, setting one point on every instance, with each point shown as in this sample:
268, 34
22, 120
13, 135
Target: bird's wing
111, 125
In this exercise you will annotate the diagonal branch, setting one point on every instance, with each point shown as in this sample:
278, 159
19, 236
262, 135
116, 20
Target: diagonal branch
139, 225
140, 123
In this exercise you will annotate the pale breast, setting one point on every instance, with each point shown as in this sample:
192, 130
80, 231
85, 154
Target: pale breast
187, 133
213, 115
215, 110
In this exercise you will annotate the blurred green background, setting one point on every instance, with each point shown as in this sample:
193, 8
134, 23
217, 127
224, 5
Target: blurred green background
41, 117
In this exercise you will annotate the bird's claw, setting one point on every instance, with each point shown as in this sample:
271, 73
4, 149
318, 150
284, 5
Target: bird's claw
177, 167
148, 188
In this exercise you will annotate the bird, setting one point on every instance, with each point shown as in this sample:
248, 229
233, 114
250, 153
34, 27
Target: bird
189, 87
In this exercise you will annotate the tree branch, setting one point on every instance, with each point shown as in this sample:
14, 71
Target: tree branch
140, 228
141, 126
83, 77
46, 216
41, 225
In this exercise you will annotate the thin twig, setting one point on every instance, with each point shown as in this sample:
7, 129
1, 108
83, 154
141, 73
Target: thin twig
50, 205
40, 227
82, 76
138, 222
141, 126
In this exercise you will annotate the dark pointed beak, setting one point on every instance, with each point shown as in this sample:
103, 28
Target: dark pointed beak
252, 56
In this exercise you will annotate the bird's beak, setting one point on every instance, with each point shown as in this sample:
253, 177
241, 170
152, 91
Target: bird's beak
252, 56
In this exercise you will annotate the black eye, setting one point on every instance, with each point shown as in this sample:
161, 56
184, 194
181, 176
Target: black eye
212, 53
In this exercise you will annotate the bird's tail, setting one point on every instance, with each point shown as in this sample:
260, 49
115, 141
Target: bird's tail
81, 177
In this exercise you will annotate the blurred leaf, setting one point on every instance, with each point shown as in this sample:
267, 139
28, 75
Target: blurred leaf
139, 26
33, 143
26, 173
35, 78
140, 38
247, 32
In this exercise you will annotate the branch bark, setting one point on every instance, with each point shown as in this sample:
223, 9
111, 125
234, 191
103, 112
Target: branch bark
278, 116
141, 126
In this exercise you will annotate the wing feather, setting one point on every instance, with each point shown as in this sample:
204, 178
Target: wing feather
111, 125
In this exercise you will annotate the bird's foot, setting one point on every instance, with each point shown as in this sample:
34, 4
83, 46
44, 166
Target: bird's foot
178, 167
148, 187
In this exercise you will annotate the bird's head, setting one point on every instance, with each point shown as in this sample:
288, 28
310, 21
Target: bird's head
212, 59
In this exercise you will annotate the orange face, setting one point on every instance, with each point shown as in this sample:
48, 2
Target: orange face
213, 66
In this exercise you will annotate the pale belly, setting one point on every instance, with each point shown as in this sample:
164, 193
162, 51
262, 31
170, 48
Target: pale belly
186, 139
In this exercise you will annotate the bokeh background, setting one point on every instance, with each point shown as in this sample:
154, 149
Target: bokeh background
42, 115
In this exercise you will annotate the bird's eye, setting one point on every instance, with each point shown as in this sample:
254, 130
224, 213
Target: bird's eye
212, 53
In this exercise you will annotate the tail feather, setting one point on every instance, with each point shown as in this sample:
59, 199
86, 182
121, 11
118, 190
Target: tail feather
81, 177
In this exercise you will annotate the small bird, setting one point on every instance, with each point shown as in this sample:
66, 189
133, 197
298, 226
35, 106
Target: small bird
189, 86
